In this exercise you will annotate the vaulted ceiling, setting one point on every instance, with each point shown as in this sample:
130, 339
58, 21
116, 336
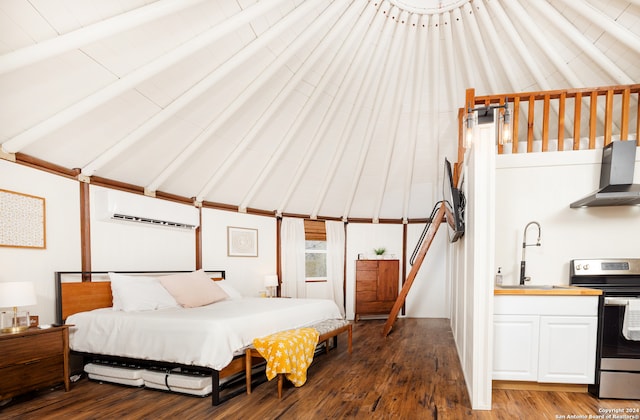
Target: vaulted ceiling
329, 108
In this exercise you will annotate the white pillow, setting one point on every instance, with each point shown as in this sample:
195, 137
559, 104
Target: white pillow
139, 293
193, 289
229, 289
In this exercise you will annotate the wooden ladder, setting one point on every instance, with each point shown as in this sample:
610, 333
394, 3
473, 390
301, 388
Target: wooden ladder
431, 233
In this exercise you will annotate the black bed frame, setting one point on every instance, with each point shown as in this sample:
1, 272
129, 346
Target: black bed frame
236, 383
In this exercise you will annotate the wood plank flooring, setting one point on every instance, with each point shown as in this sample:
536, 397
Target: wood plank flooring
414, 373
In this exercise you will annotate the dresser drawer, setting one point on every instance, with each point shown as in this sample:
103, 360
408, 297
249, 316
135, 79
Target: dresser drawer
366, 265
32, 347
30, 376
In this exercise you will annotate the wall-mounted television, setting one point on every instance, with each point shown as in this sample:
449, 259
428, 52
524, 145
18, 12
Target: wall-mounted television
454, 202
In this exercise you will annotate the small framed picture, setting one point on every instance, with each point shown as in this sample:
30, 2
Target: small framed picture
242, 242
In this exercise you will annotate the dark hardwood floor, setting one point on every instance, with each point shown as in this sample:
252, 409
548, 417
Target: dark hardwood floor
412, 374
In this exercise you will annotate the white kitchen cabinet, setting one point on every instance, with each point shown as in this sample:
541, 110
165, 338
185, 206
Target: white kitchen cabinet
515, 354
567, 349
549, 339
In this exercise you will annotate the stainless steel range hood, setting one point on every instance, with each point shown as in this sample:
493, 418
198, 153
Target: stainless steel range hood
616, 178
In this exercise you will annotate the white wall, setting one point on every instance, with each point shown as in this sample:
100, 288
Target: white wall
246, 274
362, 238
540, 187
429, 296
62, 252
471, 268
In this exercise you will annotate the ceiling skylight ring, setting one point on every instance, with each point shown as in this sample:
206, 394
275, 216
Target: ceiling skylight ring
428, 7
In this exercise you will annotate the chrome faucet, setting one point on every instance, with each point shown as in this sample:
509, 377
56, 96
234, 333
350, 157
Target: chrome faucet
524, 247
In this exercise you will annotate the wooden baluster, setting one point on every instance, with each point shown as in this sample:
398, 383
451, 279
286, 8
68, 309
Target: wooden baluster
516, 116
624, 118
545, 123
608, 117
593, 113
561, 107
577, 115
530, 124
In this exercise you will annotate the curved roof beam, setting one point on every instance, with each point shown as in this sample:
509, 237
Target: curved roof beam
242, 56
460, 37
407, 43
608, 25
299, 120
448, 51
347, 47
380, 91
131, 80
419, 75
186, 98
433, 134
544, 43
514, 37
374, 36
88, 34
495, 40
523, 51
264, 118
575, 36
481, 49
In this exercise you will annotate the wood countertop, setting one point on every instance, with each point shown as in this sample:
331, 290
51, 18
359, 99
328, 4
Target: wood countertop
547, 291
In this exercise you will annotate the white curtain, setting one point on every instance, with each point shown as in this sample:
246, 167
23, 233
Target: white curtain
292, 242
335, 262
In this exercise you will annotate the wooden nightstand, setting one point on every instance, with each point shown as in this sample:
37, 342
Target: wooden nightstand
33, 359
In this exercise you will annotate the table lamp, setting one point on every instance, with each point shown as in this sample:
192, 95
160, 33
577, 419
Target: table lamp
271, 282
14, 294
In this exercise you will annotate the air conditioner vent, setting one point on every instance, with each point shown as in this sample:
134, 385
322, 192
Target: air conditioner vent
117, 205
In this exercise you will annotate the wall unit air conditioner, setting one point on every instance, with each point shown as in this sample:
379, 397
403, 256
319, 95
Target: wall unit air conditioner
118, 205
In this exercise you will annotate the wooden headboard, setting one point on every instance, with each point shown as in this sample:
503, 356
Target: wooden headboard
80, 291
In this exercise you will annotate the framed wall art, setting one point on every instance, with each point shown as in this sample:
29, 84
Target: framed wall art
242, 242
22, 220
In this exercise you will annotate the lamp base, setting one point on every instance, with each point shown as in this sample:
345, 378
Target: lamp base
13, 322
15, 329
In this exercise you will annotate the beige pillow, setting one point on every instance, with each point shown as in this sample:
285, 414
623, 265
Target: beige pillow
193, 289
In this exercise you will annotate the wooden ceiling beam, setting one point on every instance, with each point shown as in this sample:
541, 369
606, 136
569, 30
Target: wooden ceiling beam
274, 105
419, 76
85, 35
401, 73
300, 120
361, 66
391, 32
328, 119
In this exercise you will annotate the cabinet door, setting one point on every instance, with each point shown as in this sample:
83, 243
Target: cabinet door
388, 272
567, 349
515, 347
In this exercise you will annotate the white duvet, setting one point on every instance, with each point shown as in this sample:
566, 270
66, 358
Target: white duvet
207, 336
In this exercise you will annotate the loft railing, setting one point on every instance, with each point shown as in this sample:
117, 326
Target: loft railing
570, 119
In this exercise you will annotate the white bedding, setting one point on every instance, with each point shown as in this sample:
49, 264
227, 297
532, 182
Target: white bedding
206, 336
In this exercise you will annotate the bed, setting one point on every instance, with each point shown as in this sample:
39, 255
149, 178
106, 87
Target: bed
153, 332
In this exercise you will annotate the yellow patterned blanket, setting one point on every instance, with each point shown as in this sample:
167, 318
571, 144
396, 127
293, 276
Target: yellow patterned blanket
289, 352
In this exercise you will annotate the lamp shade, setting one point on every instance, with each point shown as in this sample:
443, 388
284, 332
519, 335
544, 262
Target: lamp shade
17, 293
271, 280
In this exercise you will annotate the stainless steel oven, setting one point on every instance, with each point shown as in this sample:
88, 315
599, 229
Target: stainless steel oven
618, 358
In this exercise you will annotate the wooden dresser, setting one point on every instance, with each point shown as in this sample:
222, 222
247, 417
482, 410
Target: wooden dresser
376, 286
33, 359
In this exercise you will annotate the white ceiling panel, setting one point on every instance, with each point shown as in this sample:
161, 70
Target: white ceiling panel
333, 108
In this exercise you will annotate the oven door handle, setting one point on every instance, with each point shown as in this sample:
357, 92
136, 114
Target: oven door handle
615, 301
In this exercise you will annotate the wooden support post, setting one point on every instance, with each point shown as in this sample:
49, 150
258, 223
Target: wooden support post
431, 233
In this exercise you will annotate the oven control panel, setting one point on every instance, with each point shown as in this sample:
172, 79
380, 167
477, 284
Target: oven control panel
608, 266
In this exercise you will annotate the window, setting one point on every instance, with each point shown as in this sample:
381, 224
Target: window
315, 252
